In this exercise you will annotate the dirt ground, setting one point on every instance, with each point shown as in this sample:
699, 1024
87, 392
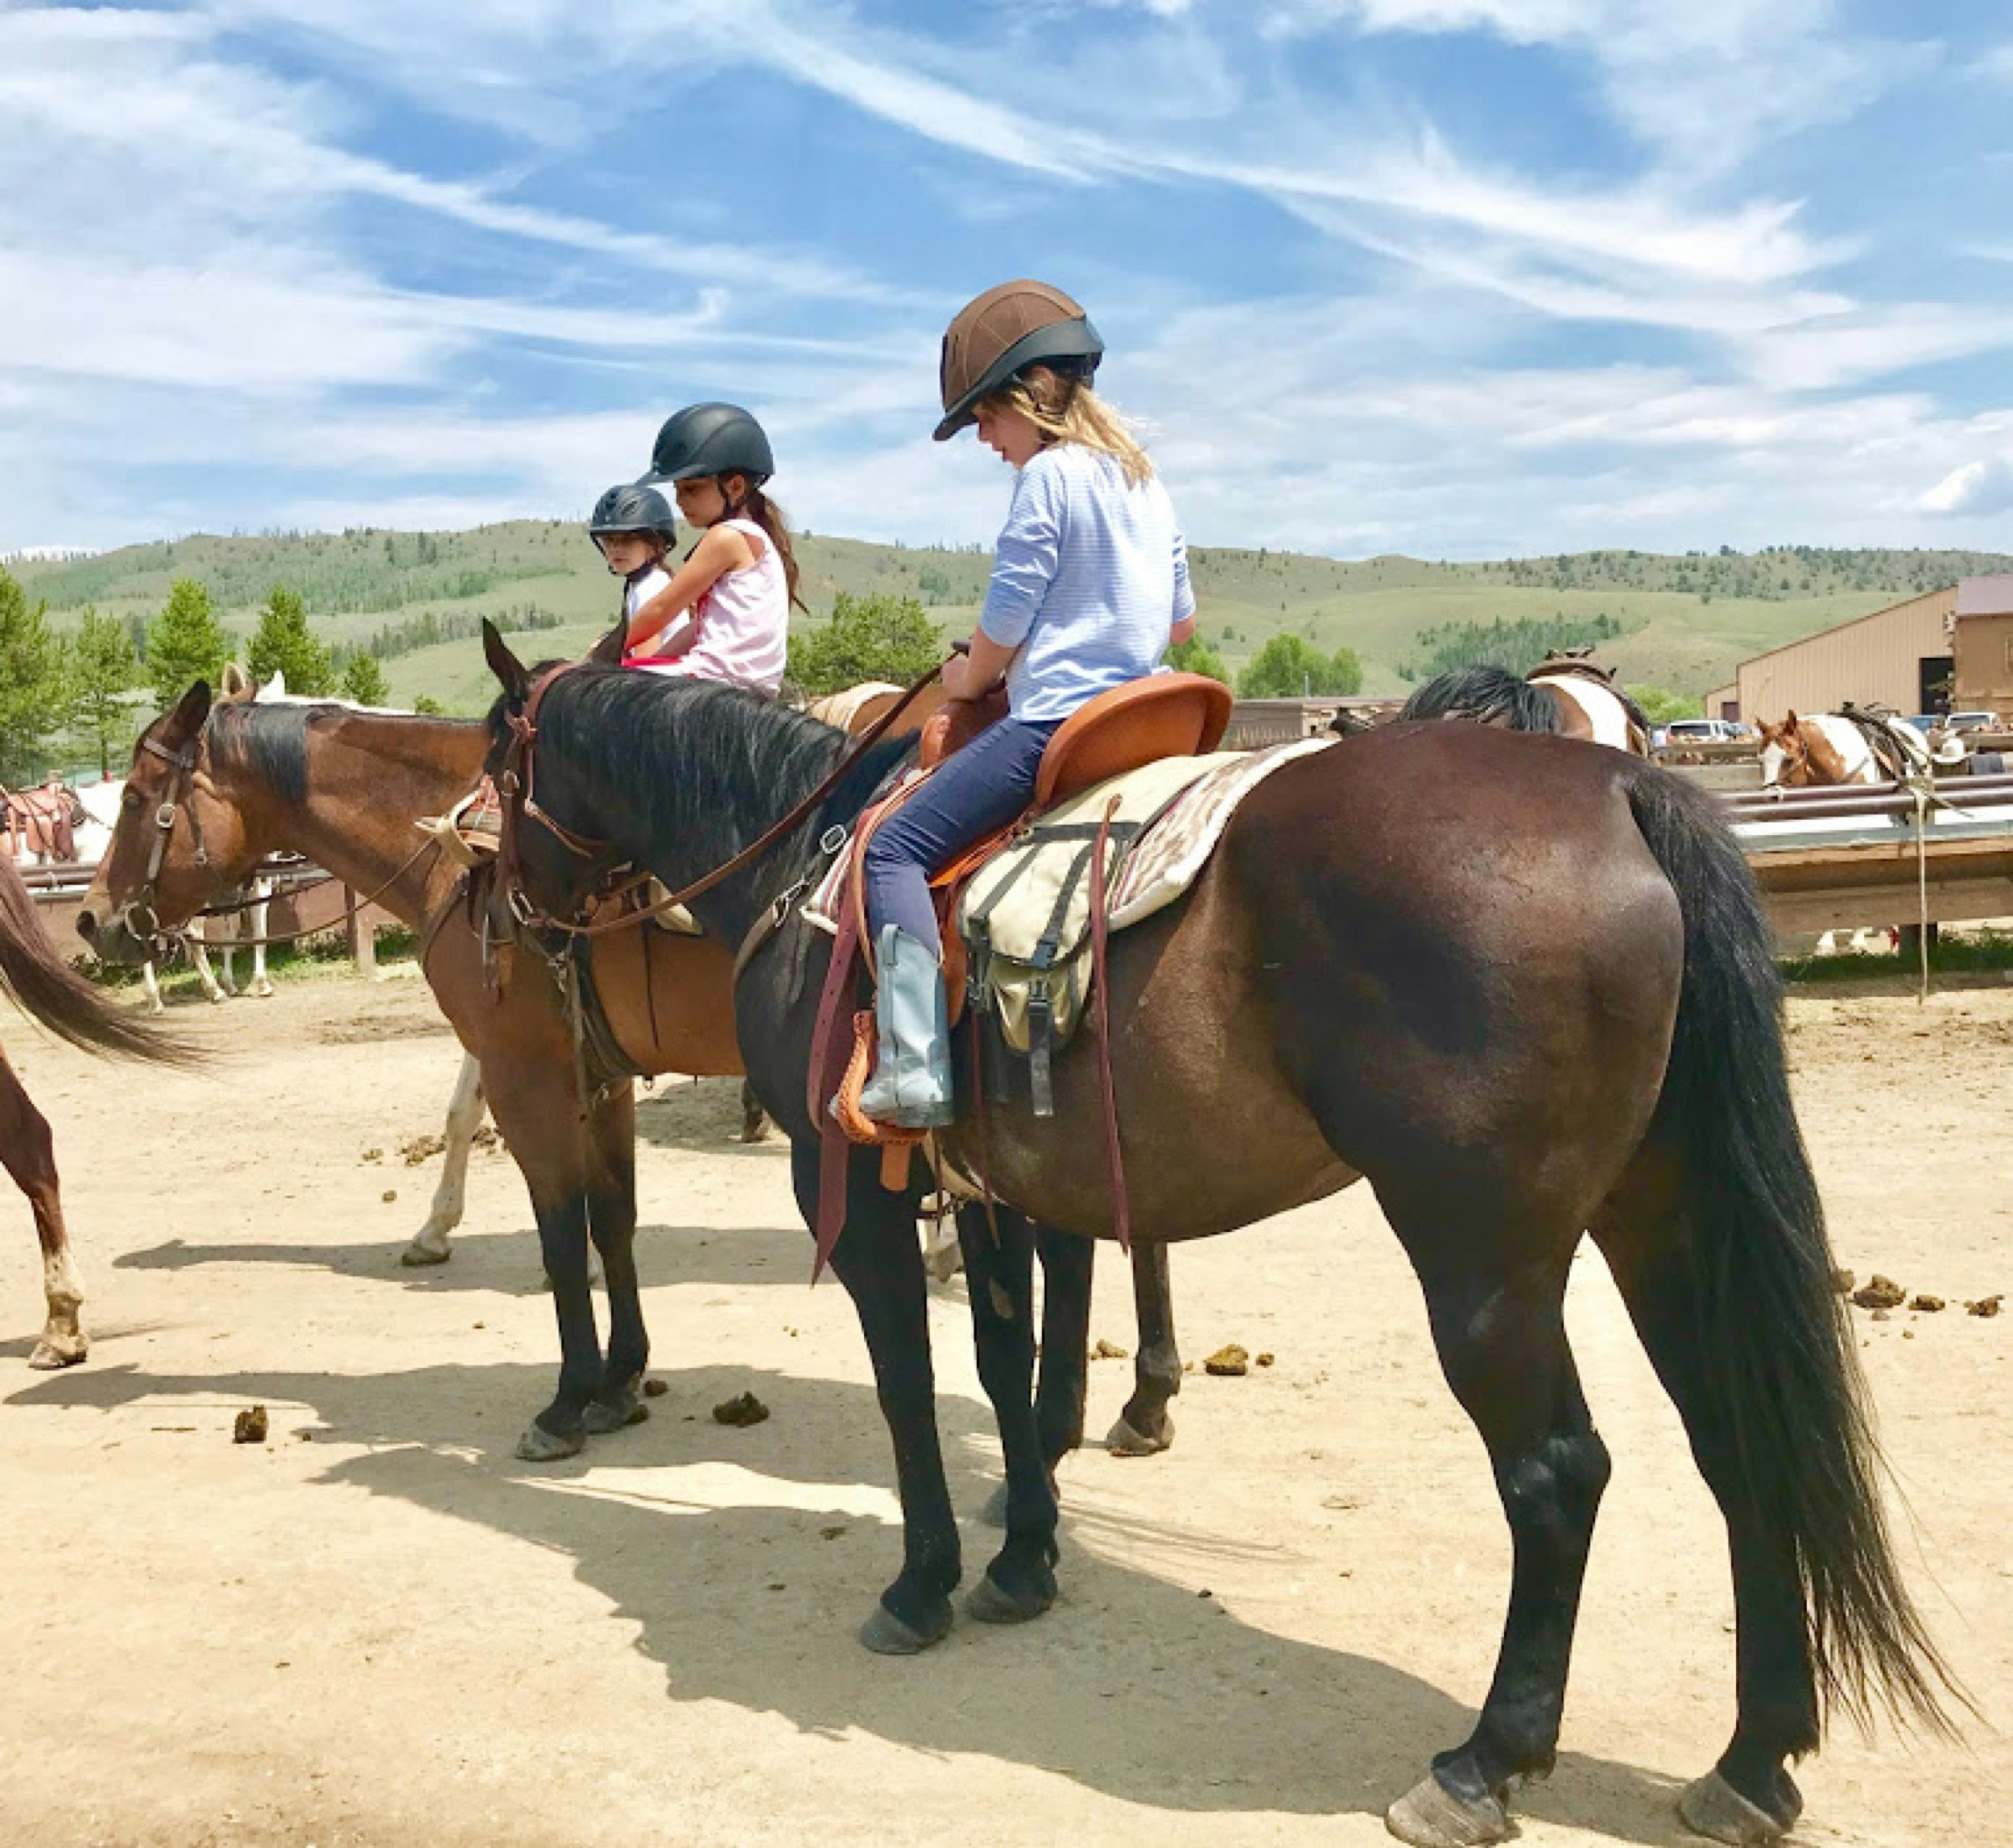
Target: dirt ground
377, 1627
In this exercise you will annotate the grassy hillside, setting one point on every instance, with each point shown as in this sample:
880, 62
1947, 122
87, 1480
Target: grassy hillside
1685, 621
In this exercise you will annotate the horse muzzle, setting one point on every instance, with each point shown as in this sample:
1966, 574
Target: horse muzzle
127, 936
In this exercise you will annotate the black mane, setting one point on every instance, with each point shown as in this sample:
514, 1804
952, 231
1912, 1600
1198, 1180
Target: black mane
269, 742
676, 760
1489, 694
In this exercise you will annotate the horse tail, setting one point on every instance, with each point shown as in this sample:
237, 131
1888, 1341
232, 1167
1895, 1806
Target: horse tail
46, 987
1490, 696
1775, 1347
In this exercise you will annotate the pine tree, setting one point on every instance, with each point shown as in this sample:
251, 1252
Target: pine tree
104, 669
363, 680
284, 644
34, 689
184, 644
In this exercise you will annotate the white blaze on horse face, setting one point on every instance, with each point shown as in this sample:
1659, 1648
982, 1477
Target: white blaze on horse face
1773, 758
1602, 706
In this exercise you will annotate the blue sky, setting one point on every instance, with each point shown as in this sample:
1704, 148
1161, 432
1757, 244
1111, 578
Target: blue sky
1457, 277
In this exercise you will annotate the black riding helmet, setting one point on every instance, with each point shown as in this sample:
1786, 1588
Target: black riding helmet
704, 440
631, 506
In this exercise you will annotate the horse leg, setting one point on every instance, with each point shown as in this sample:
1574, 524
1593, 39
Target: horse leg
28, 1151
1496, 1303
200, 957
1066, 1266
754, 1121
534, 1103
880, 1264
1020, 1583
228, 951
1749, 1797
611, 1219
430, 1244
152, 983
1145, 1426
261, 983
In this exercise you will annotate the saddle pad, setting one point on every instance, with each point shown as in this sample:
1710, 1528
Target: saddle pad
1025, 917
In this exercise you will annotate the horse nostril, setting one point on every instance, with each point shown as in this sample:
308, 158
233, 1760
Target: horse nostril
87, 924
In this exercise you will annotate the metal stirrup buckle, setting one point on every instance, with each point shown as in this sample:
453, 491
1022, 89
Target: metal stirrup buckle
165, 817
832, 840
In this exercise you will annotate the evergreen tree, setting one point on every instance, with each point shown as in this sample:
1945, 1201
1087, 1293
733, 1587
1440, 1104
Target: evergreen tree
184, 644
104, 669
34, 689
363, 680
284, 644
877, 637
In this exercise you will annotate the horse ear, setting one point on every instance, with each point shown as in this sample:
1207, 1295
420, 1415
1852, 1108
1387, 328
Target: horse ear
508, 669
238, 684
1789, 724
190, 711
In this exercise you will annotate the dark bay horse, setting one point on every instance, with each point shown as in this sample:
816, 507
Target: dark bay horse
1525, 989
345, 788
47, 989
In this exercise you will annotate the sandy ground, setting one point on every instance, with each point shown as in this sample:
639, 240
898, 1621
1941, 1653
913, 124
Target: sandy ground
377, 1627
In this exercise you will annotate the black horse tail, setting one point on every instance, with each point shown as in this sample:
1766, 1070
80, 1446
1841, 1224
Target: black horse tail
1775, 1339
47, 988
1488, 695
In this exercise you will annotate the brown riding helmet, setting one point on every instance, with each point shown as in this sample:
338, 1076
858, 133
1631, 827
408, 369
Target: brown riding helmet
1002, 333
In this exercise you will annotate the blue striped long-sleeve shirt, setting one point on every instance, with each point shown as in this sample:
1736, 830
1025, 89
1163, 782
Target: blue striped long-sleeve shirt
1090, 573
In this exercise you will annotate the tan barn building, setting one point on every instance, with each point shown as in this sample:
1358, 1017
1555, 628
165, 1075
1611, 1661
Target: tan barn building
1723, 702
1985, 645
1900, 657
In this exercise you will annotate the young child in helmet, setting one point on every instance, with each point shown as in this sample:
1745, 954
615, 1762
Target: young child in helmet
725, 614
634, 529
1089, 586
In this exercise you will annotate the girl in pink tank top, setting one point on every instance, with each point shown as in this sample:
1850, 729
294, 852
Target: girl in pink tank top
725, 614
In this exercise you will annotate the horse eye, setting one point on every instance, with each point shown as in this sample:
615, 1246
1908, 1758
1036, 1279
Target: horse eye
130, 800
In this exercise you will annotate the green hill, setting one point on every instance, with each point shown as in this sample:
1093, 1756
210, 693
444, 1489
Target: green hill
1683, 622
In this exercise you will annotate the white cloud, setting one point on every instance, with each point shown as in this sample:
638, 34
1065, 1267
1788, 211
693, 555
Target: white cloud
1983, 488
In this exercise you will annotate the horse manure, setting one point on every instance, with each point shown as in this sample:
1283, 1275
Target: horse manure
655, 1388
1108, 1351
1842, 1281
250, 1427
1880, 1293
371, 1154
1984, 1306
742, 1410
830, 1533
1229, 1361
1928, 1305
419, 1148
1266, 1359
390, 1194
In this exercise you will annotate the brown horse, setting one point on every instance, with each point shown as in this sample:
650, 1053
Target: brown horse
46, 989
1524, 988
345, 788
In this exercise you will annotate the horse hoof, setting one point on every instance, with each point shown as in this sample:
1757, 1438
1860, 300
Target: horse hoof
53, 1353
419, 1254
1430, 1816
987, 1602
263, 992
887, 1634
1125, 1441
604, 1416
1711, 1807
539, 1445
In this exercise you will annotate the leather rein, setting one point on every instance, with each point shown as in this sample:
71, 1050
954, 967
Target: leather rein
516, 783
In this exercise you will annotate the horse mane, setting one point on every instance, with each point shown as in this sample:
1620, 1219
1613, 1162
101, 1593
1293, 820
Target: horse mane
679, 756
269, 742
1487, 694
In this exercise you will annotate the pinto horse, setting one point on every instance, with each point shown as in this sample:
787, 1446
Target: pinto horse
47, 989
346, 788
1566, 695
1524, 989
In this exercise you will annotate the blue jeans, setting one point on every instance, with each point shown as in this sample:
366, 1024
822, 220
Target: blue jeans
977, 790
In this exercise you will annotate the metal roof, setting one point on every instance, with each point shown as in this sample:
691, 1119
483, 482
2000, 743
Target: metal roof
1986, 596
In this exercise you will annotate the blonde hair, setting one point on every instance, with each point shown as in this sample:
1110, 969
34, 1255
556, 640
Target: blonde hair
1066, 410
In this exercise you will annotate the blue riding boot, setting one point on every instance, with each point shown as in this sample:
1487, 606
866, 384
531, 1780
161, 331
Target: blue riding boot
911, 1087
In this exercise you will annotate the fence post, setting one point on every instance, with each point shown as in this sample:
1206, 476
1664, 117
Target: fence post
362, 935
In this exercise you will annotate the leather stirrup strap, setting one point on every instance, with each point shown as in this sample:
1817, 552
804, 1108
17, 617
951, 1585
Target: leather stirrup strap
830, 1049
1101, 980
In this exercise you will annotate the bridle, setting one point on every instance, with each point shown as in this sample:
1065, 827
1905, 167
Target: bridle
138, 916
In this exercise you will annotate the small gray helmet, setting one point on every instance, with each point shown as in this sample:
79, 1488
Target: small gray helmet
704, 440
633, 507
